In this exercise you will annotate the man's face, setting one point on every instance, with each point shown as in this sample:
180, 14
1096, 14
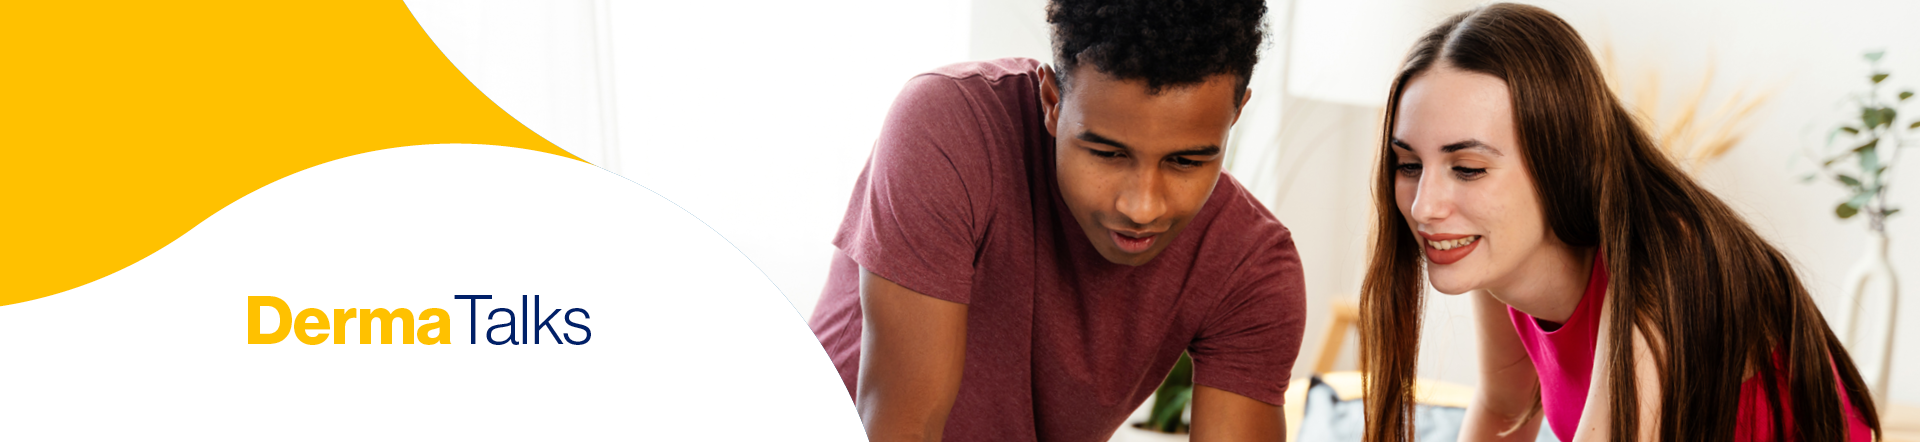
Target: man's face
1135, 167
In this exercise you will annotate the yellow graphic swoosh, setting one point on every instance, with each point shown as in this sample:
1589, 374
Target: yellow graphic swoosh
125, 124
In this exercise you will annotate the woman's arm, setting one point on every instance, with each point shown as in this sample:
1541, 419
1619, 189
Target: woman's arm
1509, 387
1596, 418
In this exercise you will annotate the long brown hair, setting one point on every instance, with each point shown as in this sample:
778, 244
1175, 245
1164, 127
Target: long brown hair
1686, 270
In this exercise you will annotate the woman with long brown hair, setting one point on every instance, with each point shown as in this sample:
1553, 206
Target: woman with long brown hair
1614, 296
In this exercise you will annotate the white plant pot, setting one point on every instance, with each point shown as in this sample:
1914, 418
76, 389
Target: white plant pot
1872, 288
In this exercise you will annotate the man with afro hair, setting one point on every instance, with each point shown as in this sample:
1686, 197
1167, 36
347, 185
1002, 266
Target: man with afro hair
1031, 247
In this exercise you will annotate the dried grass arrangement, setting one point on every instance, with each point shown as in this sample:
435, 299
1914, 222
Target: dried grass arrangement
1690, 129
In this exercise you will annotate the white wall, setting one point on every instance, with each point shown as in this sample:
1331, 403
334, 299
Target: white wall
758, 116
1810, 52
535, 60
1807, 53
755, 116
1008, 28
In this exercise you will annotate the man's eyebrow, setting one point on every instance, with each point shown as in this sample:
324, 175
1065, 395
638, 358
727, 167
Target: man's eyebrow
1469, 144
1202, 151
1089, 136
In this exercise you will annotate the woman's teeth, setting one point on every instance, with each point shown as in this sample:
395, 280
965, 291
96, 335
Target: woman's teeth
1453, 243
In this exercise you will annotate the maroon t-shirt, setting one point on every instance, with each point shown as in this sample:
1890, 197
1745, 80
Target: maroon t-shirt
958, 201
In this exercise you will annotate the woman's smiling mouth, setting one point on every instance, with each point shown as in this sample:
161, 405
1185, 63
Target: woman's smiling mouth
1447, 249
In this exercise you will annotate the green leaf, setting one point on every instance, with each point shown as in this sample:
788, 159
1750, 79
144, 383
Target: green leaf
1877, 78
1915, 125
1875, 55
1850, 130
1887, 114
1904, 95
1869, 160
1870, 117
1890, 212
1849, 181
1845, 211
1171, 399
1860, 199
1869, 146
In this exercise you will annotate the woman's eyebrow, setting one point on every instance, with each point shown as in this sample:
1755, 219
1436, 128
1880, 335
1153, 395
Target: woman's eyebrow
1469, 144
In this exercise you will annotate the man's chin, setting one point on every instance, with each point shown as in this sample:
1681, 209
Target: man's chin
1113, 255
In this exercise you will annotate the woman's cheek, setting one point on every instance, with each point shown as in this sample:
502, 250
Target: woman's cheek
1505, 206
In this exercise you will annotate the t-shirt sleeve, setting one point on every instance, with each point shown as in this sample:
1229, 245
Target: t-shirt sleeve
920, 207
1249, 343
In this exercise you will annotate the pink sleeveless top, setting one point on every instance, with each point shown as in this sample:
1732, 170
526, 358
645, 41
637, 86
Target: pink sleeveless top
1563, 356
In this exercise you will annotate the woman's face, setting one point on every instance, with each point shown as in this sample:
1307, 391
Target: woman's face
1461, 183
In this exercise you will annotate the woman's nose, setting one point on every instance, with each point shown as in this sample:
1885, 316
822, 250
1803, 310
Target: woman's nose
1432, 200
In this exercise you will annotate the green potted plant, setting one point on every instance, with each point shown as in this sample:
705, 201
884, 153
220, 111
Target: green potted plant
1171, 399
1860, 153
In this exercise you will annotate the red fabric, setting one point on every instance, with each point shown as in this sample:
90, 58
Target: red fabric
1563, 357
958, 202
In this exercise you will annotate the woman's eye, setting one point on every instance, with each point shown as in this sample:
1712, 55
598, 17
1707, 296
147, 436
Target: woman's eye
1468, 173
1408, 169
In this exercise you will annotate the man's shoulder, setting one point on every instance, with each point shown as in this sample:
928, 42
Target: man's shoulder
1242, 219
993, 71
979, 116
997, 91
1250, 253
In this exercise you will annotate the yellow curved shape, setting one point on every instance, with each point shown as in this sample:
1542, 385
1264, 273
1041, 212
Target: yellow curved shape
126, 124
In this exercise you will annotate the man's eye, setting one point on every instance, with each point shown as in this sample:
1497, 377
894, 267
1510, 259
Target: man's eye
1468, 173
1408, 169
1185, 162
1105, 153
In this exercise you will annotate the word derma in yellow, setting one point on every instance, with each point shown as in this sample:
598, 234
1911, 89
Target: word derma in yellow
312, 326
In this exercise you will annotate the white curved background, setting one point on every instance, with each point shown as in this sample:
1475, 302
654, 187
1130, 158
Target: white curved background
690, 341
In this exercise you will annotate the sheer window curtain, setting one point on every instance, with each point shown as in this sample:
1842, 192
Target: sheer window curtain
540, 61
755, 116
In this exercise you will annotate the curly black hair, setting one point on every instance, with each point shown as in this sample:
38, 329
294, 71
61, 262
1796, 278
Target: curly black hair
1167, 43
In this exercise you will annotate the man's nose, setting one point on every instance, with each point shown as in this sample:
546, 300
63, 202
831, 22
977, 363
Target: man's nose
1142, 199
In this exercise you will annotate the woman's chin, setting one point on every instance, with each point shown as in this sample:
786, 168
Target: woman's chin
1450, 292
1449, 284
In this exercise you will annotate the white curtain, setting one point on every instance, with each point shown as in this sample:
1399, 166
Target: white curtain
755, 116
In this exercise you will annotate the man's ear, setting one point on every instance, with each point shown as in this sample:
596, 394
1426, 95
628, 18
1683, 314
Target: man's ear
1050, 99
1245, 97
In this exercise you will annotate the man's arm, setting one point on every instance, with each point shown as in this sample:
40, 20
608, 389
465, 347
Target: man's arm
1220, 416
912, 349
